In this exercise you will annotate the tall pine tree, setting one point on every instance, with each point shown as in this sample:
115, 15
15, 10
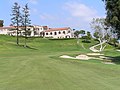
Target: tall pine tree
26, 21
16, 18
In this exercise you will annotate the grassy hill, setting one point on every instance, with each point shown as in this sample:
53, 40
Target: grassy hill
40, 68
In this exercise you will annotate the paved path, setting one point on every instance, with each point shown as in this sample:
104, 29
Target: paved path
118, 50
93, 47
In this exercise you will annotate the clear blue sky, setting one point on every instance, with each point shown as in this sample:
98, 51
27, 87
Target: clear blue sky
57, 13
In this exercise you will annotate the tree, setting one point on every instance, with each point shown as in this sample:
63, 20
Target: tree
82, 32
113, 15
26, 21
100, 31
86, 38
89, 35
76, 33
1, 23
16, 18
96, 35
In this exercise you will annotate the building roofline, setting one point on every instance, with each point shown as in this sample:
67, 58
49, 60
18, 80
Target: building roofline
57, 29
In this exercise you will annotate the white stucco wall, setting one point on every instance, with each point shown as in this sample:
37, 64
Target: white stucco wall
68, 34
3, 31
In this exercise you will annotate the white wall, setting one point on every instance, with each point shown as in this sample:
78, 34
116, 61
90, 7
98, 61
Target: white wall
3, 31
67, 34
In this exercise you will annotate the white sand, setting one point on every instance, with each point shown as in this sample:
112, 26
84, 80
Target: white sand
85, 57
66, 56
95, 54
82, 57
109, 63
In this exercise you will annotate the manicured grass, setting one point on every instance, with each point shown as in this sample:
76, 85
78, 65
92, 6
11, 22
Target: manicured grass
40, 68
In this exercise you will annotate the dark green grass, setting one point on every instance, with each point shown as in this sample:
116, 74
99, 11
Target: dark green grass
39, 67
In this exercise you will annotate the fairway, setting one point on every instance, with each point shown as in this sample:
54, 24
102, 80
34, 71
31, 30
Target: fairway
40, 68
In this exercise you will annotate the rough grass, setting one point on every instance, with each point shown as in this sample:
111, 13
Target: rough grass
39, 67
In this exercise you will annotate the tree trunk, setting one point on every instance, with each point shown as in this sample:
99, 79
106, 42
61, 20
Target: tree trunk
25, 45
17, 34
100, 45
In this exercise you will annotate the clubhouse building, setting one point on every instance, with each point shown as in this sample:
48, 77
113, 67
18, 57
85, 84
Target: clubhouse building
39, 31
59, 33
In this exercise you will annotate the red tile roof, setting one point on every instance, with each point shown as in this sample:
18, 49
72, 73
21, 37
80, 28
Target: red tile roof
57, 29
45, 27
7, 27
12, 27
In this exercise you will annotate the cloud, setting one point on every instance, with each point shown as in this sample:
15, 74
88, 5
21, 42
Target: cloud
33, 1
80, 10
80, 15
34, 10
45, 16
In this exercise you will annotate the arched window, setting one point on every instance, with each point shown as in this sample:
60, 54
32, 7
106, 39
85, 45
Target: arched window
41, 33
63, 32
67, 36
59, 32
68, 31
55, 33
51, 33
46, 33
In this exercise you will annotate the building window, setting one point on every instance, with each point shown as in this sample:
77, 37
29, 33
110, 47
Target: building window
41, 33
46, 33
59, 32
67, 36
68, 31
55, 33
63, 32
51, 33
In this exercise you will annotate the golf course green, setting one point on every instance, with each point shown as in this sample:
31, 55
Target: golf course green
38, 67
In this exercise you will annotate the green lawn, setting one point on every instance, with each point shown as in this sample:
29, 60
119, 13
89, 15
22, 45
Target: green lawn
40, 68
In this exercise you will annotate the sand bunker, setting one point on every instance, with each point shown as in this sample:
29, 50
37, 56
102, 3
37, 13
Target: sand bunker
66, 56
95, 54
82, 57
109, 63
87, 57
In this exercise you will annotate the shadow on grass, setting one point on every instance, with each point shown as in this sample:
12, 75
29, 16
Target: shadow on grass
28, 47
116, 59
31, 48
60, 38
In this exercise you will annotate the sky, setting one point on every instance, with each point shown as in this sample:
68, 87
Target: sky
76, 14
